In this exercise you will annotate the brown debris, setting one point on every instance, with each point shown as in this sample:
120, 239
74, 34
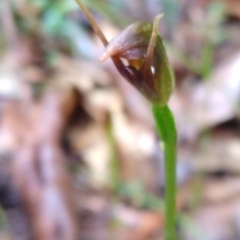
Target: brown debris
40, 174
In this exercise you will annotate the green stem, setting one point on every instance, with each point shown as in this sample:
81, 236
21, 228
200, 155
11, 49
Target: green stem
166, 129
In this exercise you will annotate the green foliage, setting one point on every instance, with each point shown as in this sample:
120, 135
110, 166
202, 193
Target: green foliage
211, 33
135, 193
171, 9
3, 221
111, 10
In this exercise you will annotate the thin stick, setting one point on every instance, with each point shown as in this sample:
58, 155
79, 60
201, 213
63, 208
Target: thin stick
117, 62
93, 23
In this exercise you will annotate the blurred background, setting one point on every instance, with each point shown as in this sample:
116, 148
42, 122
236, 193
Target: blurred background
79, 155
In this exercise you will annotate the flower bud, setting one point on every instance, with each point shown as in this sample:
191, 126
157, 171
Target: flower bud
148, 67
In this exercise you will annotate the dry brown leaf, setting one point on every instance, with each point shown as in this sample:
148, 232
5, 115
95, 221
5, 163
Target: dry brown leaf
209, 102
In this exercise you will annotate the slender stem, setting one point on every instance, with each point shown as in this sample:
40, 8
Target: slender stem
165, 125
